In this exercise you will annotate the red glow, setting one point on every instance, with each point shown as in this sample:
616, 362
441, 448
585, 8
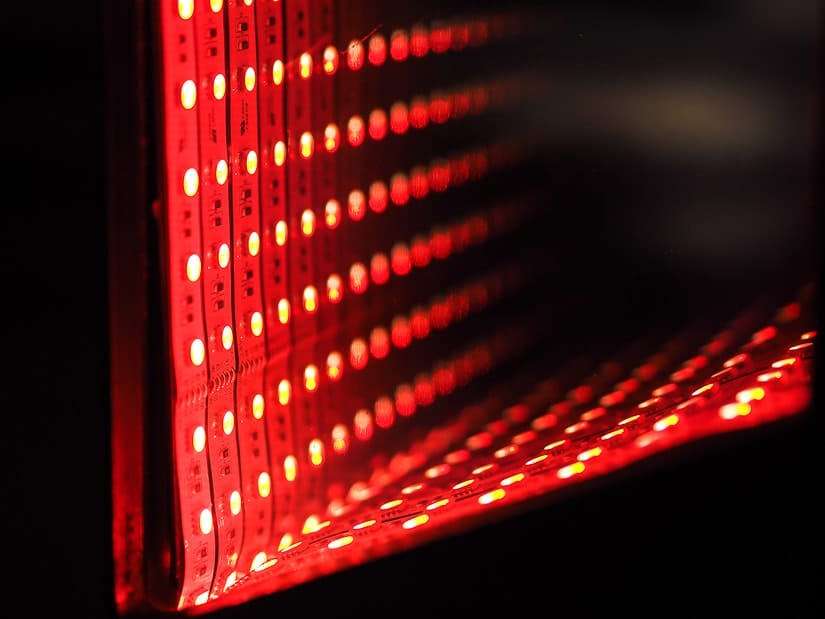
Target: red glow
401, 332
377, 50
355, 131
358, 354
358, 278
423, 390
335, 288
399, 119
399, 45
356, 205
332, 137
440, 38
420, 322
419, 182
400, 259
355, 55
420, 252
330, 60
399, 189
332, 214
384, 412
419, 113
379, 343
377, 124
378, 196
440, 108
335, 366
362, 425
419, 41
380, 268
405, 400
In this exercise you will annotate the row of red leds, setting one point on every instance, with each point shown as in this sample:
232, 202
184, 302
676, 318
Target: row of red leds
243, 199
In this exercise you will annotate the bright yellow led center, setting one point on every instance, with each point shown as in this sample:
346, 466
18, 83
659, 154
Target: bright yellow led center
311, 378
190, 182
256, 323
223, 256
219, 86
249, 79
290, 468
332, 214
235, 502
251, 162
193, 268
228, 422
227, 337
283, 311
307, 144
186, 8
253, 244
221, 172
199, 439
247, 2
330, 59
305, 65
206, 521
332, 137
279, 153
264, 484
216, 5
316, 452
277, 72
258, 406
310, 298
284, 392
197, 352
280, 233
307, 222
188, 94
335, 366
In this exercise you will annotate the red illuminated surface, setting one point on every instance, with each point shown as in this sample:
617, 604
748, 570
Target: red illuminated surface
313, 319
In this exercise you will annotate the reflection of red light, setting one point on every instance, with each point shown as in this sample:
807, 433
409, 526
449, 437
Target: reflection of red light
378, 196
377, 50
399, 120
399, 45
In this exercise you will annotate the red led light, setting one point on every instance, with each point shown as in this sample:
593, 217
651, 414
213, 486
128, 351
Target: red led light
379, 343
305, 65
399, 45
332, 214
377, 49
379, 269
358, 354
355, 131
332, 137
310, 299
399, 189
307, 145
399, 118
378, 196
358, 278
363, 426
419, 41
355, 55
401, 332
384, 412
400, 259
335, 288
419, 113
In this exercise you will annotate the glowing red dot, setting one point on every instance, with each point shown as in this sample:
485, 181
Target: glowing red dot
405, 400
460, 104
439, 109
377, 50
420, 251
399, 189
460, 35
358, 279
399, 120
355, 55
439, 175
355, 131
358, 354
444, 379
423, 390
459, 170
384, 412
399, 45
362, 425
380, 268
419, 113
379, 197
332, 137
419, 41
440, 38
379, 343
335, 288
332, 214
401, 332
420, 322
377, 124
440, 244
356, 205
419, 182
400, 259
330, 60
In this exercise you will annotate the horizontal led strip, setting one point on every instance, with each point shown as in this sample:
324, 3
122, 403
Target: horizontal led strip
377, 49
181, 225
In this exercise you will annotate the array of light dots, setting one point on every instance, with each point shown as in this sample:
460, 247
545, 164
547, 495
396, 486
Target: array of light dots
316, 283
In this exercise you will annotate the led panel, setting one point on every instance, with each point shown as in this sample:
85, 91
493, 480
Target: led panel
352, 305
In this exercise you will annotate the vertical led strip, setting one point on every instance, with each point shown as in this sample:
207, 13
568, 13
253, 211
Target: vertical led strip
181, 228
